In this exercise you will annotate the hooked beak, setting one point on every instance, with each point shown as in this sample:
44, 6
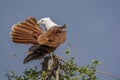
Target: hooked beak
39, 22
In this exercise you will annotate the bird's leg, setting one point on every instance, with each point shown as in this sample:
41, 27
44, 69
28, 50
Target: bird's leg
52, 54
49, 54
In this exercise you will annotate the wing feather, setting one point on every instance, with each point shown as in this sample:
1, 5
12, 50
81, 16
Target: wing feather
26, 32
53, 37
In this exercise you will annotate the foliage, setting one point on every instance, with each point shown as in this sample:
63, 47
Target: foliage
68, 71
55, 68
28, 74
71, 71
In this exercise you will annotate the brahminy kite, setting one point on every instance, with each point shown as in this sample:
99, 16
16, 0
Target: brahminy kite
43, 41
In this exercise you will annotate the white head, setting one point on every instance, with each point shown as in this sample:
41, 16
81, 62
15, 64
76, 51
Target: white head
47, 22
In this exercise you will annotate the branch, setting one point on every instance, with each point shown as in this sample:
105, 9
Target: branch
57, 73
109, 74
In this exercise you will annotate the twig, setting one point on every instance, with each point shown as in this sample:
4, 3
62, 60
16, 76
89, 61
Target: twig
60, 59
109, 74
57, 73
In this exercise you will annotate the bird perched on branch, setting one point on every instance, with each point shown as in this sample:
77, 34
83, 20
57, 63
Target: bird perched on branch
43, 42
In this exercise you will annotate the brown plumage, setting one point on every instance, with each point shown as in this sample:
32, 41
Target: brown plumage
26, 32
44, 42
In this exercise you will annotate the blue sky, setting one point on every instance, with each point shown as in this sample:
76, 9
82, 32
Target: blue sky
93, 29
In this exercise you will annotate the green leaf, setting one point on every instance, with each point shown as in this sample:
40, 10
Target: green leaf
67, 51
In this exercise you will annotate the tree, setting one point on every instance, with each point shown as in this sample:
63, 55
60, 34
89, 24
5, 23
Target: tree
55, 68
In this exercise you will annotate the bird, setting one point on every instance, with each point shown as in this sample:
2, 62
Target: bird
43, 41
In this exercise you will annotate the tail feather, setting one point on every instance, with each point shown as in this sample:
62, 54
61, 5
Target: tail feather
33, 56
37, 52
34, 52
26, 32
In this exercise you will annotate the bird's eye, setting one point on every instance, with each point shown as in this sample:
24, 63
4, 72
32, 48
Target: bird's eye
42, 20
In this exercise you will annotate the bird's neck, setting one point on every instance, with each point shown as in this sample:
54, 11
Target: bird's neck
50, 24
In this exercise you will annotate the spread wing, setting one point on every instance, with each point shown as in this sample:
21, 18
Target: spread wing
29, 32
53, 37
26, 32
